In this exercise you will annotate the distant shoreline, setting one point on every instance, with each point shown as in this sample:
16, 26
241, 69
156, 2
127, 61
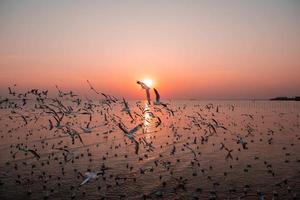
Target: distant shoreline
296, 98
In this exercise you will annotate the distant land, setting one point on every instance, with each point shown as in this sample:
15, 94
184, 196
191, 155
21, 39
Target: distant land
296, 98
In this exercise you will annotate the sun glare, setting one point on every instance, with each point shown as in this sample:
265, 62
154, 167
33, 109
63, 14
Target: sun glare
148, 82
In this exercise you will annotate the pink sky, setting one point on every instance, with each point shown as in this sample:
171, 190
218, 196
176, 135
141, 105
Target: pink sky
191, 49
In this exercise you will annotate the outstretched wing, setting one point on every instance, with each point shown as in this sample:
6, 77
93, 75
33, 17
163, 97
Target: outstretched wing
122, 128
157, 95
87, 179
34, 153
125, 103
137, 147
135, 129
130, 115
158, 123
148, 96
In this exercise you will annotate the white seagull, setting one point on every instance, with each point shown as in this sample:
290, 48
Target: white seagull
144, 86
130, 134
89, 176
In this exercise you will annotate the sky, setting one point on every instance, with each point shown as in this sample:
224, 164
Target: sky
190, 49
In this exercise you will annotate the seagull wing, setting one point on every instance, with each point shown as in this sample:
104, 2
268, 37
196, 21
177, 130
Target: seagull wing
157, 95
135, 129
211, 127
122, 128
148, 95
80, 138
125, 103
80, 174
158, 122
143, 85
9, 89
223, 127
50, 125
229, 156
24, 119
215, 121
34, 153
87, 179
91, 87
88, 125
130, 115
63, 149
137, 147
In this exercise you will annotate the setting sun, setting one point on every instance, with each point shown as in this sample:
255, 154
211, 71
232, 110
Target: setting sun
148, 82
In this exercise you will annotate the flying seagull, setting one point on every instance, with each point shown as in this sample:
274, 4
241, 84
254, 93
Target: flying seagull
144, 86
126, 108
157, 99
130, 134
89, 176
25, 149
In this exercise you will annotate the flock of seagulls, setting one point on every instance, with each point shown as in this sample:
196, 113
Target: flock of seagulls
69, 147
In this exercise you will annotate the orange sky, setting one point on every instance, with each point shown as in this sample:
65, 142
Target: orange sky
191, 49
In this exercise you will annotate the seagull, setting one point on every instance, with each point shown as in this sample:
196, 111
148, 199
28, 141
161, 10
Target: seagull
240, 140
222, 146
130, 134
148, 145
229, 153
88, 176
91, 87
192, 150
217, 125
25, 149
126, 109
158, 123
108, 98
50, 125
73, 134
57, 118
144, 86
157, 100
68, 156
173, 150
89, 129
24, 119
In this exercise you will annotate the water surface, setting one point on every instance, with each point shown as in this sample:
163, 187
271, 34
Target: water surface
187, 159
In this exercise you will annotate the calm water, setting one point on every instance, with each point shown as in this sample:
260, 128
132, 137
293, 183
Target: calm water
188, 160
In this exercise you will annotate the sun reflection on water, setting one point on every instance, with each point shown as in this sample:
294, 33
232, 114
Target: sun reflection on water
147, 121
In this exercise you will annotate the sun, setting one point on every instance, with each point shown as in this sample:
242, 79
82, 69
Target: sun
148, 82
